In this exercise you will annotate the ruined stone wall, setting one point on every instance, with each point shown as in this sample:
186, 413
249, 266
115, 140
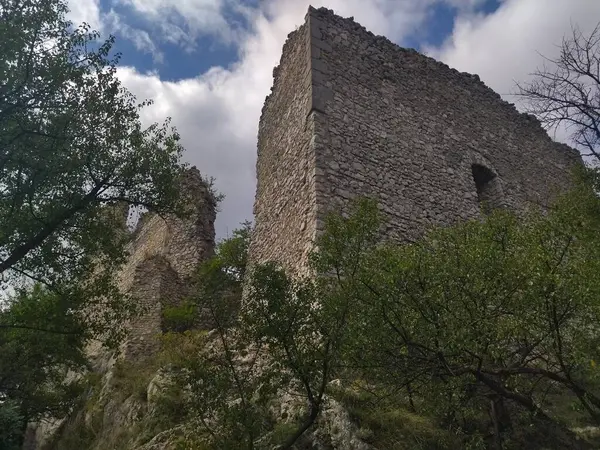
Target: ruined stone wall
430, 144
164, 253
410, 131
285, 204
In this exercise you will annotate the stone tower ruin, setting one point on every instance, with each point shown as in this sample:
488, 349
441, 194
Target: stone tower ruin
352, 114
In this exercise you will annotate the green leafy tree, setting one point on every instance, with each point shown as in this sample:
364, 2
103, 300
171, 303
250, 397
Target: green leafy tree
304, 322
499, 314
229, 387
284, 337
491, 318
40, 344
71, 143
11, 424
74, 158
233, 251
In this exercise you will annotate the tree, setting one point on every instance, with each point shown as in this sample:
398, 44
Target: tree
71, 143
566, 90
11, 423
499, 314
74, 158
229, 387
40, 343
495, 316
285, 337
304, 321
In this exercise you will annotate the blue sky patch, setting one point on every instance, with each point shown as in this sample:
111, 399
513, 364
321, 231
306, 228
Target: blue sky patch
440, 23
180, 60
172, 60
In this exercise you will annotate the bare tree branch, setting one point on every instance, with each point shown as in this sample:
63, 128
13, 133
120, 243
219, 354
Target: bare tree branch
566, 91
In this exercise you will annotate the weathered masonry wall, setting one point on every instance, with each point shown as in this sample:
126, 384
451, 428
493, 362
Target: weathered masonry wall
164, 253
420, 136
285, 206
163, 256
431, 144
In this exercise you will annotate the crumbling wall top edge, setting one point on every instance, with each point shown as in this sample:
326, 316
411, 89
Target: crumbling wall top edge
290, 41
473, 81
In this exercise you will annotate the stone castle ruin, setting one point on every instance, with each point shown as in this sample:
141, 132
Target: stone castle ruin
352, 114
164, 254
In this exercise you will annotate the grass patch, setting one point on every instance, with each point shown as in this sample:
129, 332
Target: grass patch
179, 318
388, 424
131, 379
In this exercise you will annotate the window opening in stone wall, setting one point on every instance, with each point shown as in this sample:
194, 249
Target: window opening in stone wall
489, 194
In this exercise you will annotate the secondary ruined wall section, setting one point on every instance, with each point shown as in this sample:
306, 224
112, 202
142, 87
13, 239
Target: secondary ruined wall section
154, 283
163, 256
432, 145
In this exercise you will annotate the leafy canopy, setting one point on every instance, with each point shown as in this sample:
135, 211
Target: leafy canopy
501, 309
71, 143
74, 159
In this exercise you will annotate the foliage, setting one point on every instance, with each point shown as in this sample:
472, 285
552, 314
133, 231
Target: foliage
11, 425
480, 335
233, 251
495, 317
499, 313
221, 377
131, 378
491, 316
144, 405
287, 332
39, 344
221, 279
227, 396
227, 392
74, 158
386, 421
303, 321
179, 318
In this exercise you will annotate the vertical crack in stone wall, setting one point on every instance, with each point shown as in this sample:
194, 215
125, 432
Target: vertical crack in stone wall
352, 114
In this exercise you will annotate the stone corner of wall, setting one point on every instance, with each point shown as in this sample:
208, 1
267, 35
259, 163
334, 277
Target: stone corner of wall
572, 153
318, 69
197, 189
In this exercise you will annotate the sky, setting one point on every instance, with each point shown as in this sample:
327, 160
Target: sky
208, 64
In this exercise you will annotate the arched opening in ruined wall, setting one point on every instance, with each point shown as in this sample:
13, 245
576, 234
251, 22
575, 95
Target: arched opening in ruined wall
489, 192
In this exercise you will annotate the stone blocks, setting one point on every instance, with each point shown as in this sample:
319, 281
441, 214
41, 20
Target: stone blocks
352, 114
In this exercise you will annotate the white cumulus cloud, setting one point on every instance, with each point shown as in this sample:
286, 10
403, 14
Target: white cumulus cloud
507, 46
85, 11
217, 113
186, 20
140, 38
